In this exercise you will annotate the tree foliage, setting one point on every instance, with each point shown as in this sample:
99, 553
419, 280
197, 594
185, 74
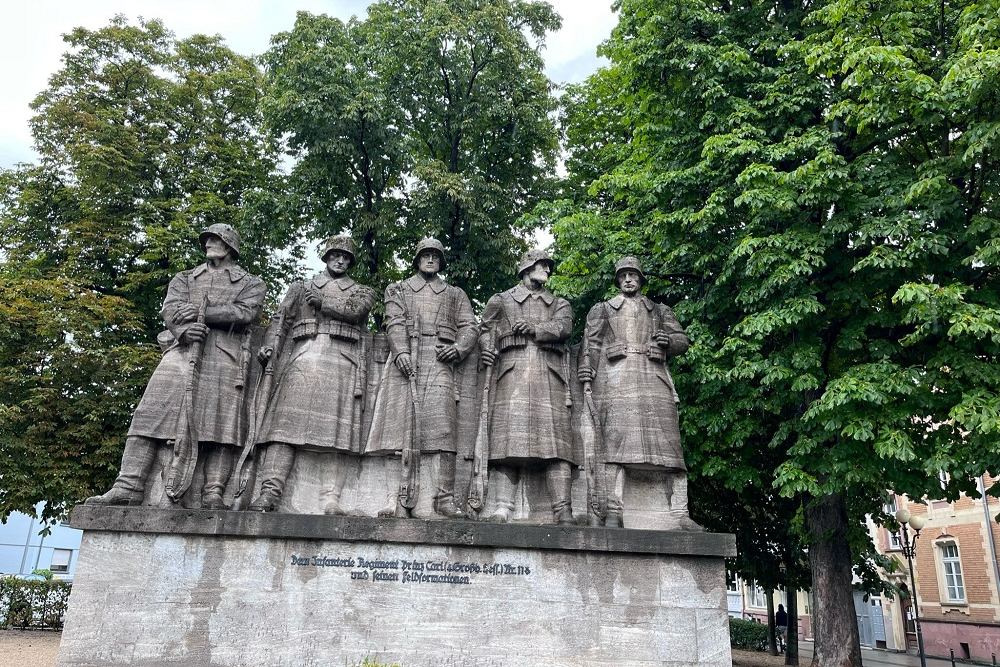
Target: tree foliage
144, 139
814, 185
428, 117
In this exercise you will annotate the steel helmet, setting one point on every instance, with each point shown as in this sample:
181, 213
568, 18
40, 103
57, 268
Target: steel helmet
342, 243
532, 257
228, 235
629, 262
429, 244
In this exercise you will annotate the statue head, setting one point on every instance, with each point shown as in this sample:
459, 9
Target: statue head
338, 253
629, 275
535, 268
429, 257
220, 232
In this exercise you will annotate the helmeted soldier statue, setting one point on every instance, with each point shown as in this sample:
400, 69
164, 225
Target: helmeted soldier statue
319, 398
524, 333
210, 310
632, 337
430, 328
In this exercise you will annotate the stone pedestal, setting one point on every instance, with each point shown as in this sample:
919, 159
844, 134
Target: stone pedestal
192, 587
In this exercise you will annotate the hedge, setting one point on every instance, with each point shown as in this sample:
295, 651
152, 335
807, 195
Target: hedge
747, 635
32, 604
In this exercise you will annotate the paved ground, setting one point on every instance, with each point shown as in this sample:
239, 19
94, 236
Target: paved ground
869, 658
38, 648
28, 648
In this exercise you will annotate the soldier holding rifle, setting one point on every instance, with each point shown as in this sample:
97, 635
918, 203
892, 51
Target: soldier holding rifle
524, 335
320, 388
209, 311
624, 351
430, 327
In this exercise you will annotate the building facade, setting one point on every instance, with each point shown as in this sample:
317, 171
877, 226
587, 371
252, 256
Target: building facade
956, 572
23, 549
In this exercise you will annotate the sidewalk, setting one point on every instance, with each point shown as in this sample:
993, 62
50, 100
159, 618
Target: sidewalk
875, 658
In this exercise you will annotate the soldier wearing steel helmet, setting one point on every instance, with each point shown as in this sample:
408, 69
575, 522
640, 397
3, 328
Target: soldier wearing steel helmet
626, 344
319, 397
524, 333
231, 300
430, 327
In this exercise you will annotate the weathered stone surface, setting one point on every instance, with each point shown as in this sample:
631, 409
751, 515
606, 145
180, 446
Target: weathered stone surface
211, 594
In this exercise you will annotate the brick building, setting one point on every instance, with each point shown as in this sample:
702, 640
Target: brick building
956, 571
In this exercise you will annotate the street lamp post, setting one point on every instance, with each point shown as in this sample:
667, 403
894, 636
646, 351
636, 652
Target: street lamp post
910, 551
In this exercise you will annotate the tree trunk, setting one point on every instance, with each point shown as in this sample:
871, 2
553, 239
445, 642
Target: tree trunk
837, 643
772, 643
792, 636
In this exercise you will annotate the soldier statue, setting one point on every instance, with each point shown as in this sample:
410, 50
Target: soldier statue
632, 337
209, 311
430, 328
319, 341
524, 334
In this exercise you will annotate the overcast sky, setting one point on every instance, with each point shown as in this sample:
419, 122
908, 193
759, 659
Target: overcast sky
31, 40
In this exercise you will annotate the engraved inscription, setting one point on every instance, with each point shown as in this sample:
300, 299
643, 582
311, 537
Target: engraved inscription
413, 571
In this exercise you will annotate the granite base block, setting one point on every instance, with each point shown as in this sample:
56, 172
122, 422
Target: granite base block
176, 587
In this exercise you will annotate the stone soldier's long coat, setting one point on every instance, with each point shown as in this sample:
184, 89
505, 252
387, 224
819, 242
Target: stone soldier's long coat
422, 314
321, 382
633, 386
530, 416
235, 299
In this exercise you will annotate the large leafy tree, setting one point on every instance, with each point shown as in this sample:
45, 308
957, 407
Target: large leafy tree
143, 140
428, 117
814, 186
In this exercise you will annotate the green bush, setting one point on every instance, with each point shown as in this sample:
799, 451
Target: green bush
747, 635
32, 604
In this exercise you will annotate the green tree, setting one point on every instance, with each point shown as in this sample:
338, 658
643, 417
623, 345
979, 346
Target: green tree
428, 117
143, 140
814, 186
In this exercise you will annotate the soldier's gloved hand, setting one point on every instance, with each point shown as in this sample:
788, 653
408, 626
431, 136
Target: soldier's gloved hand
447, 353
522, 327
313, 297
662, 339
264, 354
184, 314
404, 364
585, 374
488, 357
196, 333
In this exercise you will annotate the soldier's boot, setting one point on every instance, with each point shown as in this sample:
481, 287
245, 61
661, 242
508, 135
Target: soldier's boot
678, 482
278, 459
444, 499
503, 484
130, 486
614, 474
218, 468
330, 495
559, 479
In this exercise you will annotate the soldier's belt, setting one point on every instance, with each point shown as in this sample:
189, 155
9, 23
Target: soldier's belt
620, 350
445, 332
513, 341
311, 328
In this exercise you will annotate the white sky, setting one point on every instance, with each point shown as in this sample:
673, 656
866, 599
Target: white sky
31, 40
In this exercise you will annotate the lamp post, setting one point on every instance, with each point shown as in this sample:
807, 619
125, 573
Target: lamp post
910, 551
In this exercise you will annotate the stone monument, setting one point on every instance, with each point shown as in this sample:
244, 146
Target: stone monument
353, 441
320, 393
629, 340
524, 334
196, 395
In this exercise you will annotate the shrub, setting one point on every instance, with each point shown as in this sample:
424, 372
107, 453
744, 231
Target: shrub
747, 635
32, 604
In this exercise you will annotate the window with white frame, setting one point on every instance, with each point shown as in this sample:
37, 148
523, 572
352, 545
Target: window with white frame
951, 567
60, 560
758, 597
890, 505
